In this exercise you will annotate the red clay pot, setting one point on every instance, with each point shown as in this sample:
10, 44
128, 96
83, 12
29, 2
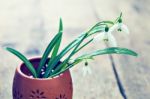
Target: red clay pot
26, 87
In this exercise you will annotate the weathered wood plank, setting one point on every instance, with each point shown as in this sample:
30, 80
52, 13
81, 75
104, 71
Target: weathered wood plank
134, 72
26, 24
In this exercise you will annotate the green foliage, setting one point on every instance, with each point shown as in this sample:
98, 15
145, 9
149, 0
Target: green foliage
113, 50
54, 68
57, 45
25, 60
54, 44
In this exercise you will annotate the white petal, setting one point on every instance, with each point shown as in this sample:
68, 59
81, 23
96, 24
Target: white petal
119, 25
89, 71
99, 37
111, 40
86, 70
124, 28
114, 27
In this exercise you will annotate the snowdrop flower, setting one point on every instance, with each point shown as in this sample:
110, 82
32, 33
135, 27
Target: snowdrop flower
86, 69
107, 36
122, 27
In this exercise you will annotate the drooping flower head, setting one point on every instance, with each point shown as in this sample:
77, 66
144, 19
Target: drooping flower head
106, 34
86, 69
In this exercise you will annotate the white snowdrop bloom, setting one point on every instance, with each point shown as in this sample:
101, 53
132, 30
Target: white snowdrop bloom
114, 27
120, 27
111, 40
123, 27
107, 37
86, 70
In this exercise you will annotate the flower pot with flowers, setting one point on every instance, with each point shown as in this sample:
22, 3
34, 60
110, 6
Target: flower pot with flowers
48, 77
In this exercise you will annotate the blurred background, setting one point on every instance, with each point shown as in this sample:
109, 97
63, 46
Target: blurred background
29, 25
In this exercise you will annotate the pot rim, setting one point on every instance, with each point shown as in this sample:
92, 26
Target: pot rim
40, 79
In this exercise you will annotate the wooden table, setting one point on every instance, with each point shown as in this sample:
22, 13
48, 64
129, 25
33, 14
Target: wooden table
29, 25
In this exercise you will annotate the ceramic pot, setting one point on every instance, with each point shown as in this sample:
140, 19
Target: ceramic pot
27, 87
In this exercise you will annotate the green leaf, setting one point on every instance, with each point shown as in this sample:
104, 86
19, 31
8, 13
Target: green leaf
100, 26
47, 52
97, 29
108, 22
113, 50
24, 59
84, 45
56, 48
120, 17
64, 69
54, 61
60, 25
63, 65
76, 61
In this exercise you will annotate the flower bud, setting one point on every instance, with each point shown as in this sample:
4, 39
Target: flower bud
120, 20
86, 64
106, 29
